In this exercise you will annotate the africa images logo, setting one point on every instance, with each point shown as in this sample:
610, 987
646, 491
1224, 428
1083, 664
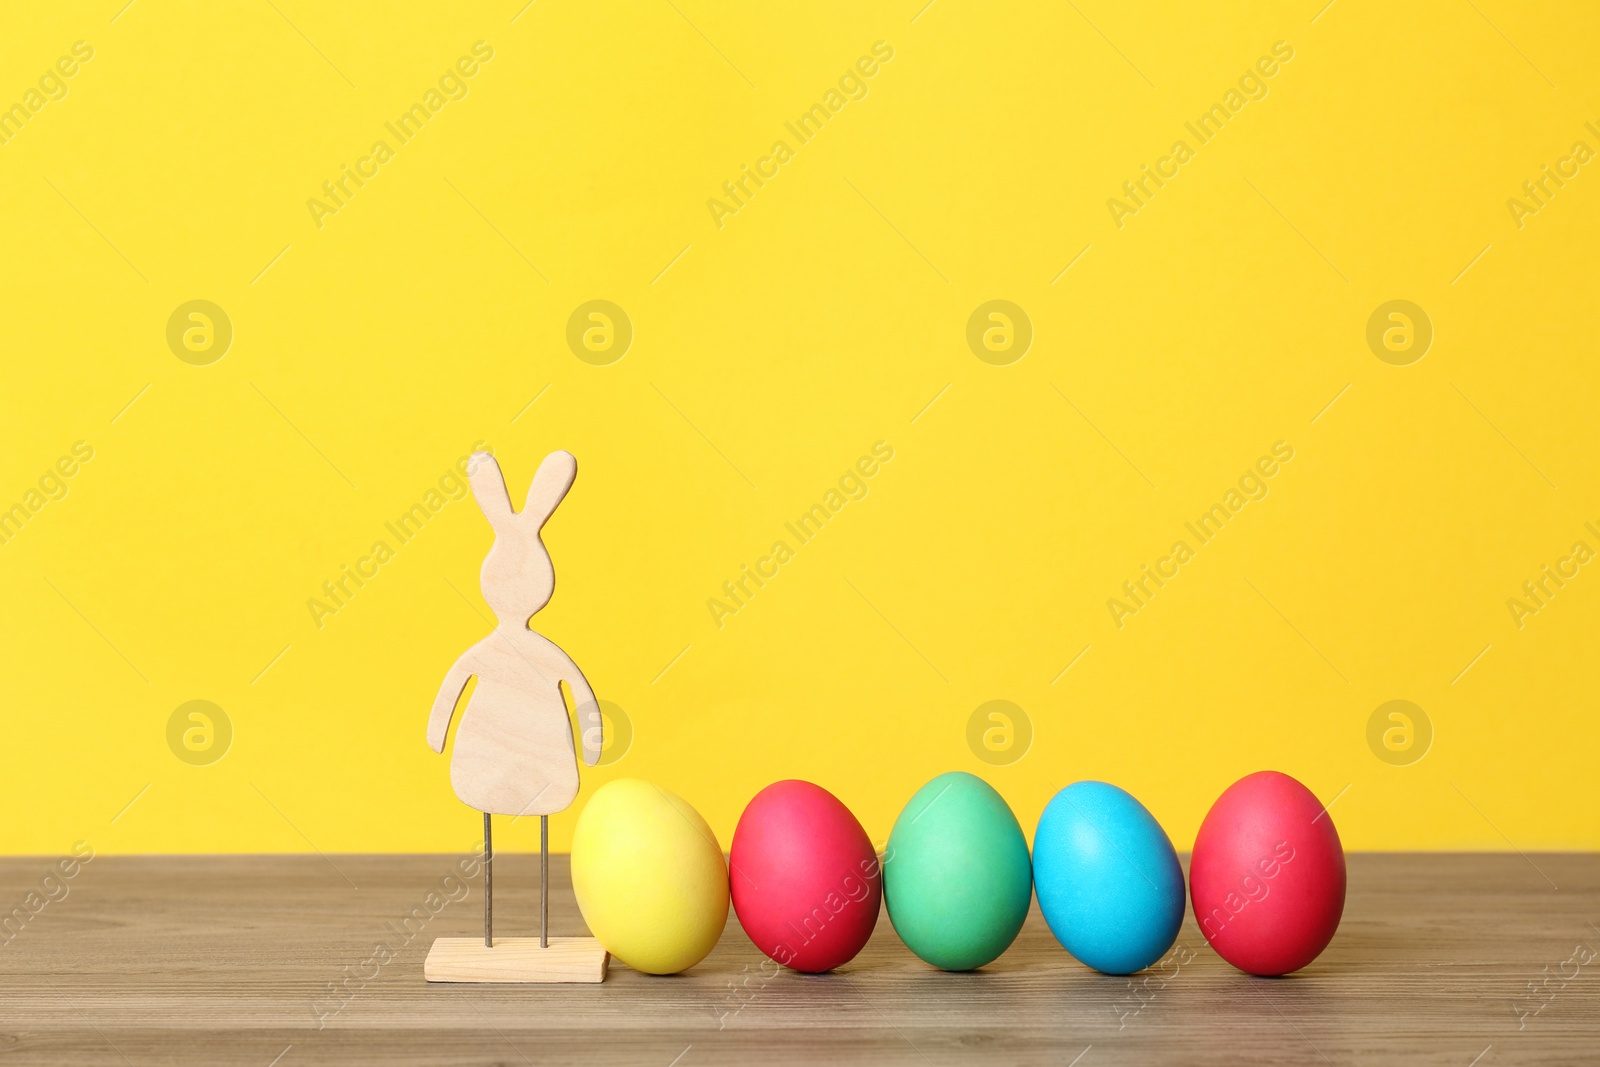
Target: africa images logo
1252, 85
337, 192
852, 85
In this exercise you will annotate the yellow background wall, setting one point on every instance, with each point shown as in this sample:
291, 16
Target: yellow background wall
828, 313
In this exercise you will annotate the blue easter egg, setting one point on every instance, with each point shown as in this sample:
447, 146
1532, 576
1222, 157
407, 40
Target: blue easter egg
1107, 878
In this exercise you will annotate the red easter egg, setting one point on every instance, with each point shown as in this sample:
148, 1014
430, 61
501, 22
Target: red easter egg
1267, 875
805, 879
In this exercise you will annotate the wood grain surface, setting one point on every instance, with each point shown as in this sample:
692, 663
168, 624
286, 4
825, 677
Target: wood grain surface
231, 960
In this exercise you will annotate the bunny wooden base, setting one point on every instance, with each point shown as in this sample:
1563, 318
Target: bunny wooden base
516, 959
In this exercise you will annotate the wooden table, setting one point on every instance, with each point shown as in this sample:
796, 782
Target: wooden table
229, 960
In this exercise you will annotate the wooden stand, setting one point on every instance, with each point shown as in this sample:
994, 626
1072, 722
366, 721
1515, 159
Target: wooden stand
516, 959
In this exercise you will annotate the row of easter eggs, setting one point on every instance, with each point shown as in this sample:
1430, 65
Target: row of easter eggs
1267, 876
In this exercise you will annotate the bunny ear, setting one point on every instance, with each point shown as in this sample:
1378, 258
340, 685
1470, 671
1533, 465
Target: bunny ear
489, 487
549, 486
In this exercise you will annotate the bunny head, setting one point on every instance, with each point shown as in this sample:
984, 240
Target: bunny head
517, 576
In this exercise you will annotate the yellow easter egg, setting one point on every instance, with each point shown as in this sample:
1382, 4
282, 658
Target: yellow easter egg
649, 876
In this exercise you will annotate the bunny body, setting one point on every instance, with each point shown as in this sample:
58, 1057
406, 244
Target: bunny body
514, 752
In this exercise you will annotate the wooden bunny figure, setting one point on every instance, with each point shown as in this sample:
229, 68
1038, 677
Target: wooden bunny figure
514, 752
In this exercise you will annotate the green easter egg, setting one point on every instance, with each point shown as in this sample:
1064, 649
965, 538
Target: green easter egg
957, 878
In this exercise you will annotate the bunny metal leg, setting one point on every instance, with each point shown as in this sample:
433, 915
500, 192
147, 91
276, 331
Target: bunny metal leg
488, 886
544, 881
